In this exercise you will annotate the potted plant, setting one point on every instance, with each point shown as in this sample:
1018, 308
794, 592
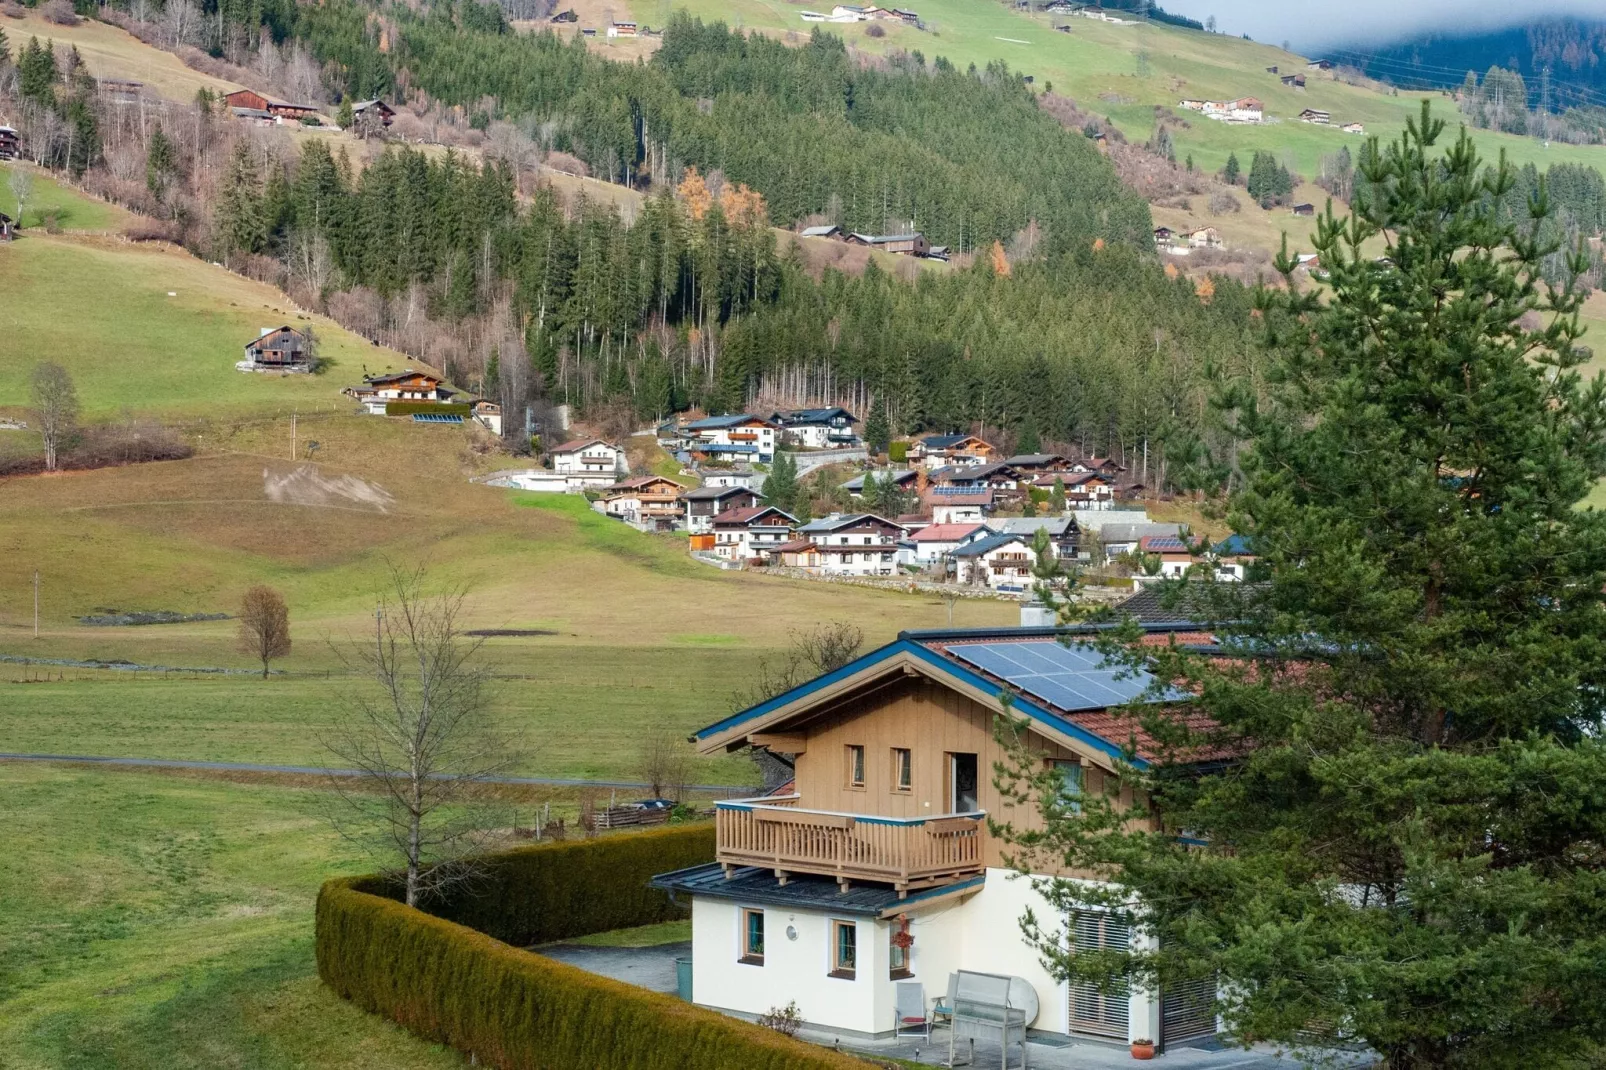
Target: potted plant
1143, 1049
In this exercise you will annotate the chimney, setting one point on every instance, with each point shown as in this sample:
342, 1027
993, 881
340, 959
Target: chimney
1035, 614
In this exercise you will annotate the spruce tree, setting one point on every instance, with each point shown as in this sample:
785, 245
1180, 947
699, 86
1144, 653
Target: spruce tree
869, 494
877, 430
1229, 174
239, 223
1403, 849
780, 486
1029, 441
161, 163
5, 48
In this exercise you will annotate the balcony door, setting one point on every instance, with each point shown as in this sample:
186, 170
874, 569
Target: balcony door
962, 795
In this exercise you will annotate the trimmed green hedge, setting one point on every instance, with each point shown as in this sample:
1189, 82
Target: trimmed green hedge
407, 408
556, 891
519, 1010
898, 452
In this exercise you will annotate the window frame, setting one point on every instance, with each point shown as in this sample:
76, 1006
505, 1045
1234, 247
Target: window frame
897, 970
748, 957
903, 771
855, 777
1071, 800
839, 971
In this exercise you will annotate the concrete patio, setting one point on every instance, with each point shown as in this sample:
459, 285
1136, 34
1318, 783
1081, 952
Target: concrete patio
654, 968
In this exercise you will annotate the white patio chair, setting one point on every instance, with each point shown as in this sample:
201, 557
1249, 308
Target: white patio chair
911, 1005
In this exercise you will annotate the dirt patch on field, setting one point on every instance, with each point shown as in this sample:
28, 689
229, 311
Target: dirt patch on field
308, 486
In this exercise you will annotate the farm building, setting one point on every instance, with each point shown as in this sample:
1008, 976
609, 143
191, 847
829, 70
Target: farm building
1315, 115
10, 143
278, 349
377, 108
912, 244
251, 100
379, 392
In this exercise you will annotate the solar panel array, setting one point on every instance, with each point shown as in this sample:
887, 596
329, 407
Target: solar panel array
1070, 677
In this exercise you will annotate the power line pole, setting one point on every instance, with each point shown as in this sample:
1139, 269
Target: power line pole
36, 603
293, 434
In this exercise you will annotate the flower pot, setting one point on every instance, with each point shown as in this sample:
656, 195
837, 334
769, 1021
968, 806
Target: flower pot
1142, 1049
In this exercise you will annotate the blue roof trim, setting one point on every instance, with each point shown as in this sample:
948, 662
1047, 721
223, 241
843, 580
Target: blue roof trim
1021, 704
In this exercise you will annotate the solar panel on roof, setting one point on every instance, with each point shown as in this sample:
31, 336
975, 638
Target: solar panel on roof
1070, 677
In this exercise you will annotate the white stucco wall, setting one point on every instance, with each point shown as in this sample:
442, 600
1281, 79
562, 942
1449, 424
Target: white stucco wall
793, 969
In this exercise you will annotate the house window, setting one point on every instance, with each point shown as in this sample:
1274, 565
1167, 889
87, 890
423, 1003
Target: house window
902, 769
897, 955
855, 765
753, 937
1071, 783
844, 949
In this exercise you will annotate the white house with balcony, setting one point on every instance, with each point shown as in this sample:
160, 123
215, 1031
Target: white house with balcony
818, 429
754, 532
740, 439
878, 869
593, 462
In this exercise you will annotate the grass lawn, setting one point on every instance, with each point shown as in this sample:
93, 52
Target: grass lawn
73, 210
166, 922
179, 321
111, 52
665, 932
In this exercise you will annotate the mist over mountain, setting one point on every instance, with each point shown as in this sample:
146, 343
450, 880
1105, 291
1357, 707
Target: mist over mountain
1561, 61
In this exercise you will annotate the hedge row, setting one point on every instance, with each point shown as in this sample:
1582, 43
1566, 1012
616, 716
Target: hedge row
556, 891
407, 408
521, 1011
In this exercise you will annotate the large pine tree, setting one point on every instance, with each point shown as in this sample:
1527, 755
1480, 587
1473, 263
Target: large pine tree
1408, 847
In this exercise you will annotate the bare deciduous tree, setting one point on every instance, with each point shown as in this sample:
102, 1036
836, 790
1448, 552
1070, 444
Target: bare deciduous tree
666, 764
421, 740
264, 625
814, 651
21, 189
55, 406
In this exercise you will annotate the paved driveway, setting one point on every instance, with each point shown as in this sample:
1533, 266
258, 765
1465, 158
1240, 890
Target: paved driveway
647, 967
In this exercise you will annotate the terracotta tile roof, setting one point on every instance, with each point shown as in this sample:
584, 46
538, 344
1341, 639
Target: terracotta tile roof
945, 532
578, 444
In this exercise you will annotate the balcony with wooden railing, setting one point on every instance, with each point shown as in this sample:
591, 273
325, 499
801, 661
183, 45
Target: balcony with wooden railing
908, 853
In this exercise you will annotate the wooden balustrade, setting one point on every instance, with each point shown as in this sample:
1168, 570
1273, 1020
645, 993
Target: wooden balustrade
905, 852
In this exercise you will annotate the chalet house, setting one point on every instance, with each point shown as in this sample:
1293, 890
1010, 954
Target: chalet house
829, 231
932, 545
914, 244
745, 478
1320, 65
798, 553
879, 867
1163, 235
378, 110
1304, 209
488, 414
1118, 539
704, 503
10, 143
935, 451
1176, 557
250, 101
1001, 561
1314, 115
1204, 238
1083, 490
997, 477
278, 349
1353, 128
1294, 81
1245, 110
8, 229
740, 439
1062, 531
622, 29
1033, 463
743, 534
1104, 466
855, 544
905, 478
600, 463
378, 391
566, 15
958, 505
906, 15
826, 428
648, 502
